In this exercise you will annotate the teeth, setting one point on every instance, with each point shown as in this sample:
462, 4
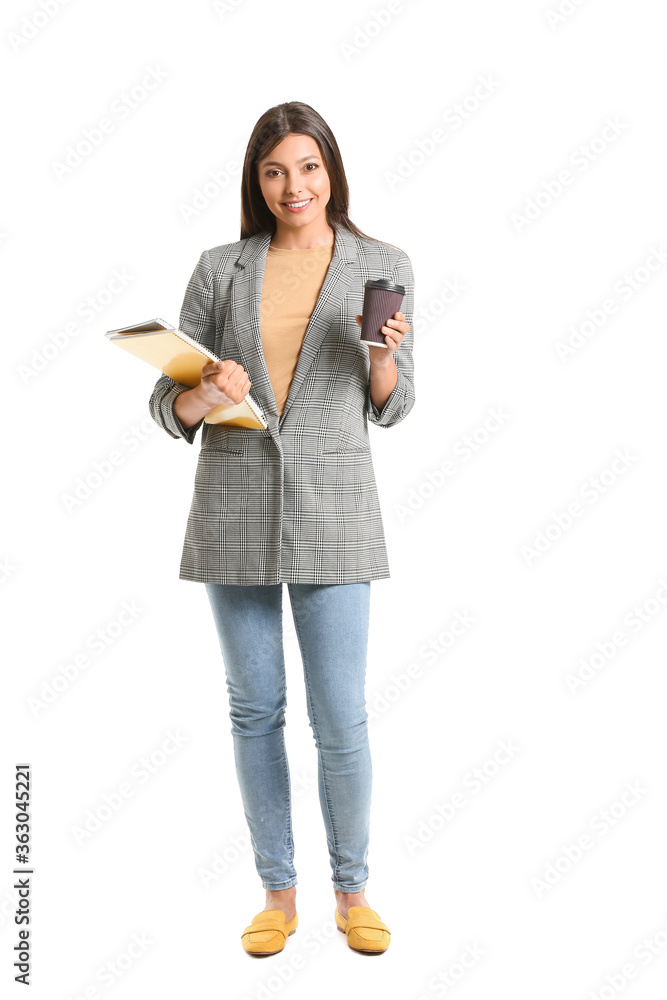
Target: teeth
297, 204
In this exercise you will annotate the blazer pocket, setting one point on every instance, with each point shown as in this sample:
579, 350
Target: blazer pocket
232, 440
219, 449
345, 445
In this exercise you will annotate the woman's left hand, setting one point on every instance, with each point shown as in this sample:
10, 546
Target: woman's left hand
394, 332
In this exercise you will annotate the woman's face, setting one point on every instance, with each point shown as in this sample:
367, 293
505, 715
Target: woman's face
294, 172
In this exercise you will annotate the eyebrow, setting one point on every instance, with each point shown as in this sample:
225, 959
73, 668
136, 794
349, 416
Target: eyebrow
274, 163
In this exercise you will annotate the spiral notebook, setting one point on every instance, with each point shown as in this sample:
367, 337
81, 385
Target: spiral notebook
180, 357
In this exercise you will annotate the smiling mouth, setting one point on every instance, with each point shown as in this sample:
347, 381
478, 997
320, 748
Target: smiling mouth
297, 205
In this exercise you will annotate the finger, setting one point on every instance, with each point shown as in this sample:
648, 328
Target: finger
358, 319
234, 371
215, 367
398, 325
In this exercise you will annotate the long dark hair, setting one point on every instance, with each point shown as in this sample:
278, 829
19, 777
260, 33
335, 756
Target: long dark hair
274, 126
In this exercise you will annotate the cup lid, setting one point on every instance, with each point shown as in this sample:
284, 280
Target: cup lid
386, 284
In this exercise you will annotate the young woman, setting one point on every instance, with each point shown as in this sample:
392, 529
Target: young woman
297, 502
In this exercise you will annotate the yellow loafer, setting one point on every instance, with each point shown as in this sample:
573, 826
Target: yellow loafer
267, 933
364, 929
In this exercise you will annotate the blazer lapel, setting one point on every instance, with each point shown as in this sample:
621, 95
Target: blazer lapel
245, 299
245, 306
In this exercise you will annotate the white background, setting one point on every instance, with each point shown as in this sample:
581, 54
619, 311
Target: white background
493, 879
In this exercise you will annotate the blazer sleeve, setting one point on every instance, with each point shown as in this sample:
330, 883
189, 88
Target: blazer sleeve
402, 397
198, 321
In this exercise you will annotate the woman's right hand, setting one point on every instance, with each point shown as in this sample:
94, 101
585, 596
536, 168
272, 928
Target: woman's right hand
223, 382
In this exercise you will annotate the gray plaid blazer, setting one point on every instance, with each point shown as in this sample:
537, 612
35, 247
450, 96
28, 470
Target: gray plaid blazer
295, 502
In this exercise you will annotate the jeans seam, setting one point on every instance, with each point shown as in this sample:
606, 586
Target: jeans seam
290, 836
319, 752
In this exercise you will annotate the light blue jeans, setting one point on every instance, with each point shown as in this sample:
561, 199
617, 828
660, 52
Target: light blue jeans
331, 622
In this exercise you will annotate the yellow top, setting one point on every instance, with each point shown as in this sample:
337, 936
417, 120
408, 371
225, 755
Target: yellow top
292, 283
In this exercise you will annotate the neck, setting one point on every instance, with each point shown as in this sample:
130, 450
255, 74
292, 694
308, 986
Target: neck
316, 234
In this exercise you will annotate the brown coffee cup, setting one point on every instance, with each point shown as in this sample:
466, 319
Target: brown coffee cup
382, 298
